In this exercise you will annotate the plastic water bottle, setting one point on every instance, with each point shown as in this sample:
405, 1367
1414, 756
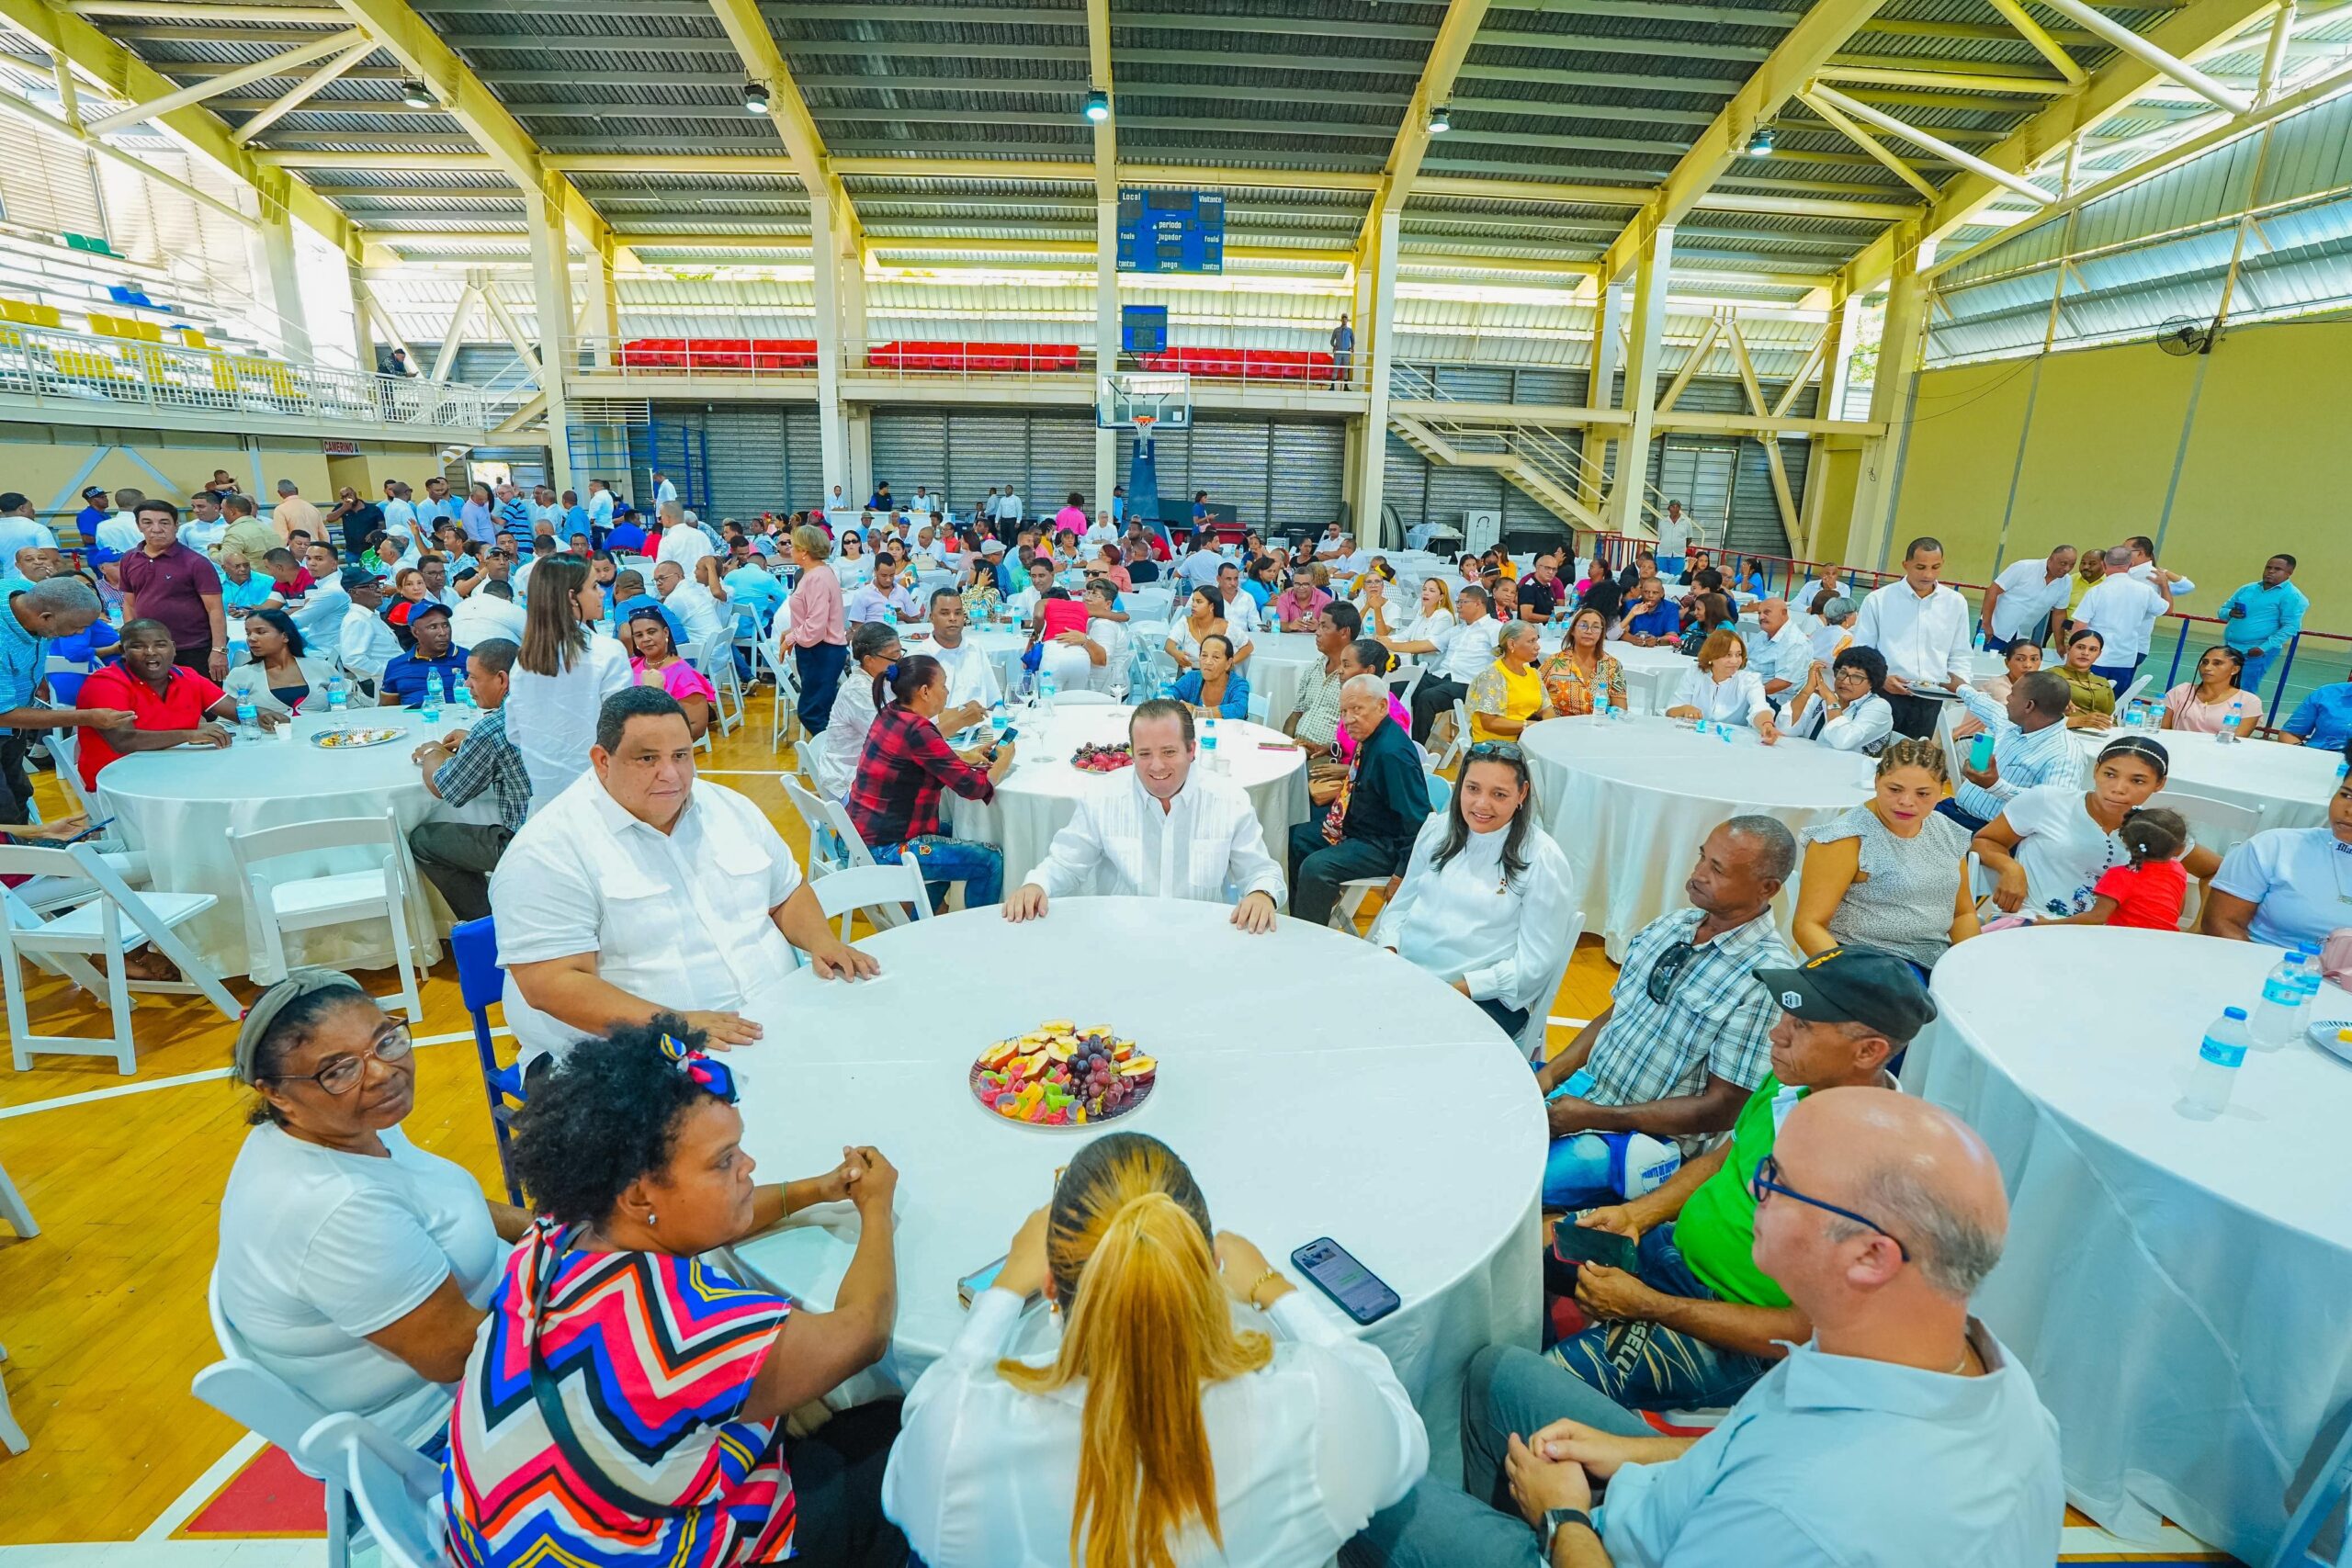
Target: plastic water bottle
1601, 704
1046, 690
431, 704
2279, 1016
466, 695
2229, 731
1000, 719
248, 716
1208, 743
338, 695
2222, 1052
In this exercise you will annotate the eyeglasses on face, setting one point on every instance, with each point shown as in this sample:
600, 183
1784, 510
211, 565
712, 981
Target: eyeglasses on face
342, 1074
1767, 1179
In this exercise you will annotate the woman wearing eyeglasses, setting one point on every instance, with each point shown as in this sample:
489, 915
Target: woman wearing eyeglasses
354, 1264
1485, 902
625, 1402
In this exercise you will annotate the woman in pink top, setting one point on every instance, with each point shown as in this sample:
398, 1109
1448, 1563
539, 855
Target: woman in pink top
1365, 656
1072, 516
2204, 705
819, 640
657, 664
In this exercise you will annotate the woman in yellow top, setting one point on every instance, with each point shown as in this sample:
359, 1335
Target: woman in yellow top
1573, 675
2093, 703
1508, 695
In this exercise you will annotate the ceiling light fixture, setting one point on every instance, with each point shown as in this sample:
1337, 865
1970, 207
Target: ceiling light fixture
1098, 105
756, 98
1760, 141
417, 96
1440, 121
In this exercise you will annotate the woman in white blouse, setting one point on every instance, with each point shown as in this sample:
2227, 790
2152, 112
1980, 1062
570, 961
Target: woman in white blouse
1723, 688
1428, 628
561, 677
872, 649
1158, 1431
1485, 902
1847, 708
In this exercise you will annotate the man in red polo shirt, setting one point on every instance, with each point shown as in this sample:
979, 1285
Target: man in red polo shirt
168, 705
165, 581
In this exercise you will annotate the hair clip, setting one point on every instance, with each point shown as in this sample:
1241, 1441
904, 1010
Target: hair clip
712, 1076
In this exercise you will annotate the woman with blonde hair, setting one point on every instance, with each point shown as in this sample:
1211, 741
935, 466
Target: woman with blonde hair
1159, 1434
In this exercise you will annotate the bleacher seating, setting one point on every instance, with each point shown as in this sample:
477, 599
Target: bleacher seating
969, 357
756, 353
1252, 364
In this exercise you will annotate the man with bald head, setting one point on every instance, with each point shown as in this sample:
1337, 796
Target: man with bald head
1901, 1432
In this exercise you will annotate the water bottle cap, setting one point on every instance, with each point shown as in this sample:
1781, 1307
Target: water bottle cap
2238, 1013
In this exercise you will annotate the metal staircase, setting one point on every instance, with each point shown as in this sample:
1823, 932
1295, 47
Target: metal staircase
1549, 467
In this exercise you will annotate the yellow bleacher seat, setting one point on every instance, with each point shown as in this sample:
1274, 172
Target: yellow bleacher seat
25, 313
192, 338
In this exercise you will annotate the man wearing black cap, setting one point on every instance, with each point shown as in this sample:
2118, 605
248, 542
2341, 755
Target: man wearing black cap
434, 660
1694, 1322
365, 644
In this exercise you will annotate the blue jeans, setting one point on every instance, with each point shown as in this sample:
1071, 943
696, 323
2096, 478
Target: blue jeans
1576, 1172
1507, 1389
1647, 1366
2256, 667
979, 867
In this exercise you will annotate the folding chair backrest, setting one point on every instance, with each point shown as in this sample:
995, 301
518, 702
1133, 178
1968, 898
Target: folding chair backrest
1948, 716
823, 817
29, 861
264, 844
65, 749
2218, 824
251, 1394
880, 887
396, 1489
1404, 681
474, 944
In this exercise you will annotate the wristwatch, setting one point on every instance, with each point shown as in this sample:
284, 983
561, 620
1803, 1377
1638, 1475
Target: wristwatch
1554, 1518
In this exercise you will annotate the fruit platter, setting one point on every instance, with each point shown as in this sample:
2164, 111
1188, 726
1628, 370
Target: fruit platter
1091, 759
344, 739
1059, 1075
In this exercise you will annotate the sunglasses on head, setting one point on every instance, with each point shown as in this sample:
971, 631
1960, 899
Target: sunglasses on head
1502, 750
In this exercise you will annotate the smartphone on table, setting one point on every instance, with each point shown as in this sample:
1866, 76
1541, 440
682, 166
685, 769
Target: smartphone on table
1353, 1289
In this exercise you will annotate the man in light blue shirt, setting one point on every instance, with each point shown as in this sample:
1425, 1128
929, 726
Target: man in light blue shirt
2031, 746
2262, 619
2322, 719
1903, 1433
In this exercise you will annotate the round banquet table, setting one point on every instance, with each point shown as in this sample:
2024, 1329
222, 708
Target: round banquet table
1652, 675
180, 806
2176, 1287
2290, 785
1403, 1125
1038, 799
1631, 800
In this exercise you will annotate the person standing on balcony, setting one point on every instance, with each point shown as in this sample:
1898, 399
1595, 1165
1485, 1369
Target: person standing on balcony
2257, 622
1343, 349
166, 583
295, 514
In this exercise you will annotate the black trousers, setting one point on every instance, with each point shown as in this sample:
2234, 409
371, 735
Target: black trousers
837, 1487
1430, 698
15, 784
1511, 1021
1317, 869
1915, 716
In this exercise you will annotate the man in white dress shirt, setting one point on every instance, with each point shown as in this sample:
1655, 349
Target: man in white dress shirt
1354, 559
2028, 601
1166, 830
923, 502
1008, 506
1240, 608
2124, 606
1464, 655
880, 592
680, 540
971, 676
364, 643
1788, 654
1201, 565
488, 612
696, 608
1920, 628
638, 890
600, 510
665, 492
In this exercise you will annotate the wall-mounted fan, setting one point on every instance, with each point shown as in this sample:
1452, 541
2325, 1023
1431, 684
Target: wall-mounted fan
2185, 335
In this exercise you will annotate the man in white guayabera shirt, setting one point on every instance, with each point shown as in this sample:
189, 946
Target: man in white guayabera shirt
1166, 829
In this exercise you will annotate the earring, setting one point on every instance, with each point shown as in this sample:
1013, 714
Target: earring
652, 1218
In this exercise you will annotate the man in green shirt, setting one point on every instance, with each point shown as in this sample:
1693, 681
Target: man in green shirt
1694, 1322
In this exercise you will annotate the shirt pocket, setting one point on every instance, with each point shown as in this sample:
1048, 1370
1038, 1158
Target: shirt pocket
740, 893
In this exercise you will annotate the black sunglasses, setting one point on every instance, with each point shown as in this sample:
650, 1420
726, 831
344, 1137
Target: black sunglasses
1767, 1180
1668, 969
1506, 750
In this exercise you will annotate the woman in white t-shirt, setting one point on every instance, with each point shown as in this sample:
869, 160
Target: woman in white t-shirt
1723, 688
353, 1265
2051, 843
1431, 625
562, 675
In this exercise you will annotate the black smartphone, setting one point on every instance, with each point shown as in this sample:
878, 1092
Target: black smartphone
92, 831
1011, 732
1588, 1245
1354, 1289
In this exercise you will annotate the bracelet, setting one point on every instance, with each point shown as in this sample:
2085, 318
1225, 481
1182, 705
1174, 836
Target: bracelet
1250, 1295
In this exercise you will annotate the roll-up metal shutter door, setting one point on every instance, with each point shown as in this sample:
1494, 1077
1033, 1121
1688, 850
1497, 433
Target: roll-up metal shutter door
910, 449
804, 456
1522, 513
988, 451
1454, 491
1532, 386
1700, 475
1305, 471
1405, 485
1756, 524
1061, 460
747, 460
1474, 383
1229, 461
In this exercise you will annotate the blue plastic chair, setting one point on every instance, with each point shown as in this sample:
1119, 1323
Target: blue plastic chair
479, 983
2321, 1504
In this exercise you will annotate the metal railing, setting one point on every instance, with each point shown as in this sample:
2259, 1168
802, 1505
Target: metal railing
2190, 636
1558, 461
670, 361
51, 368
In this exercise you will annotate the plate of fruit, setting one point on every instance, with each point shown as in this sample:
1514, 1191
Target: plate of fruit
1059, 1075
344, 739
1091, 759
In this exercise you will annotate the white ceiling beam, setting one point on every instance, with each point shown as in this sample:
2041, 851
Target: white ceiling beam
2048, 47
1098, 70
1432, 89
1808, 47
1871, 144
196, 92
2150, 55
302, 92
1823, 98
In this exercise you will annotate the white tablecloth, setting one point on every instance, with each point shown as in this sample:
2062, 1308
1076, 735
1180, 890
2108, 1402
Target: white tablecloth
1631, 800
1276, 669
180, 806
1652, 675
2289, 784
1402, 1124
2177, 1287
1040, 796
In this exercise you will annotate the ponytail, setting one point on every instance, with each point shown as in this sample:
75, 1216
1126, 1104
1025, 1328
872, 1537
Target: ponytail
1150, 1326
902, 680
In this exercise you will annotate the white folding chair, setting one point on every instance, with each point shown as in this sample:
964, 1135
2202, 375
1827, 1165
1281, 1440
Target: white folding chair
65, 750
878, 890
1404, 681
12, 1436
1531, 1035
15, 1210
2323, 1501
382, 890
1948, 717
107, 919
398, 1490
776, 649
2219, 825
834, 841
1458, 747
719, 663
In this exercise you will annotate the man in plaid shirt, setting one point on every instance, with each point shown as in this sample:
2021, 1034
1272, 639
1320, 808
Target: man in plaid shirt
1686, 1036
457, 857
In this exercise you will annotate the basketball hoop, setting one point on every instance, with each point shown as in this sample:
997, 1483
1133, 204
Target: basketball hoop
1144, 422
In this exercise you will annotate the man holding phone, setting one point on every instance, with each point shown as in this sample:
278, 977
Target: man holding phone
1679, 1316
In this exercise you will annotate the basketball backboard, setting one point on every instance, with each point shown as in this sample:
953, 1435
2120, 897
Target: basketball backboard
1161, 396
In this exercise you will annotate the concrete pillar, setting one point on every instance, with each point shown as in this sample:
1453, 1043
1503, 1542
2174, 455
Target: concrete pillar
1899, 343
282, 281
858, 428
551, 305
1837, 349
601, 317
363, 331
1371, 452
1647, 331
1106, 344
1608, 335
832, 430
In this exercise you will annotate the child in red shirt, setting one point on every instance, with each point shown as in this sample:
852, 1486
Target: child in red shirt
2148, 893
